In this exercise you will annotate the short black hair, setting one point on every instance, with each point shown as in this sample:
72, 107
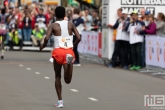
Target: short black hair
60, 12
3, 11
77, 11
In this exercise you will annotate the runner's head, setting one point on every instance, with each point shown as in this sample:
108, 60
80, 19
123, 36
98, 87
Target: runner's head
60, 12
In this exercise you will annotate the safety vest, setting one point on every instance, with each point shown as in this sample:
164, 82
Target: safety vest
38, 34
14, 37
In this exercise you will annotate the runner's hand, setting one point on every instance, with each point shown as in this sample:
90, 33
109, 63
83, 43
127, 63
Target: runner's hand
41, 47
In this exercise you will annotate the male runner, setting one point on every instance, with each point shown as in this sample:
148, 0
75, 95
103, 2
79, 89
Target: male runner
63, 53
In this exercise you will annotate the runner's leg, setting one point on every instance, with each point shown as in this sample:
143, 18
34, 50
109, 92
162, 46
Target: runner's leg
68, 69
58, 86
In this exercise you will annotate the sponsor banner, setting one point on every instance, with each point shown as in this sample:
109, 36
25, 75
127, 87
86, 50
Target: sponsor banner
155, 51
90, 43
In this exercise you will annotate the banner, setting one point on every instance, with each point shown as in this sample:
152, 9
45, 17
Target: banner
155, 51
90, 43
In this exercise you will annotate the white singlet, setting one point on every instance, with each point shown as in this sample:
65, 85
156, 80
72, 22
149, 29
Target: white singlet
65, 40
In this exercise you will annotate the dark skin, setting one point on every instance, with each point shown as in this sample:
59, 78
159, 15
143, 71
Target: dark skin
55, 29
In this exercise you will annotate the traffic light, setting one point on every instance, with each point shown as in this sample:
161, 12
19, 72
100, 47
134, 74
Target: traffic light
5, 3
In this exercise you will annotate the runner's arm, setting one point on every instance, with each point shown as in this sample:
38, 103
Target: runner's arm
75, 31
48, 35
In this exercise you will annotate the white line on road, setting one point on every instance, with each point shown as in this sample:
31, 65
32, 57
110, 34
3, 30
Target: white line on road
28, 68
21, 65
93, 99
37, 72
74, 90
46, 77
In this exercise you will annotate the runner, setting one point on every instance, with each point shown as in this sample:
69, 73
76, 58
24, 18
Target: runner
63, 49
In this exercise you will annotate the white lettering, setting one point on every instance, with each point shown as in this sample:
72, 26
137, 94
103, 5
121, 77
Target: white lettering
143, 2
130, 11
130, 2
158, 2
139, 2
152, 2
124, 2
135, 2
151, 10
163, 2
147, 1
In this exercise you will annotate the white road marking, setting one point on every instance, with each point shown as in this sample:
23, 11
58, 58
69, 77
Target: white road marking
21, 65
74, 90
37, 72
46, 77
93, 99
28, 68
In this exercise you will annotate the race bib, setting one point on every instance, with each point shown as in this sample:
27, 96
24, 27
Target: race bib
65, 42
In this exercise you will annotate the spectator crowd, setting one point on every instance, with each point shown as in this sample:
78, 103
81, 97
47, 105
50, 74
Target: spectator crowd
129, 37
30, 22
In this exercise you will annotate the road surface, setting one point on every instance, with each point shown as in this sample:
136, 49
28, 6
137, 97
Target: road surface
27, 83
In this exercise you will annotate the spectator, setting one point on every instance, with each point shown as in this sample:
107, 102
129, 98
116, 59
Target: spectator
41, 19
142, 12
119, 13
151, 28
27, 26
3, 31
69, 15
15, 39
20, 21
115, 26
37, 35
136, 41
160, 25
96, 21
12, 18
145, 19
122, 39
34, 14
79, 23
88, 20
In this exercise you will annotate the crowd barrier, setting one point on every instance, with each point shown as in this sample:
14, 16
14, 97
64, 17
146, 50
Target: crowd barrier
155, 54
91, 43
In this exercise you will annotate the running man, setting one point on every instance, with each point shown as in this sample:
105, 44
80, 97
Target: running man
62, 54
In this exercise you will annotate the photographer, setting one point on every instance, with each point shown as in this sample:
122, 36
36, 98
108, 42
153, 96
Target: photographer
38, 35
15, 39
27, 26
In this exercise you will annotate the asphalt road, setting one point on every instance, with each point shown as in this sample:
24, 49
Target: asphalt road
27, 83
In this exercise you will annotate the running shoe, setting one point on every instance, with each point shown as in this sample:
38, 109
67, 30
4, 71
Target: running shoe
59, 104
138, 68
69, 58
133, 68
2, 54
